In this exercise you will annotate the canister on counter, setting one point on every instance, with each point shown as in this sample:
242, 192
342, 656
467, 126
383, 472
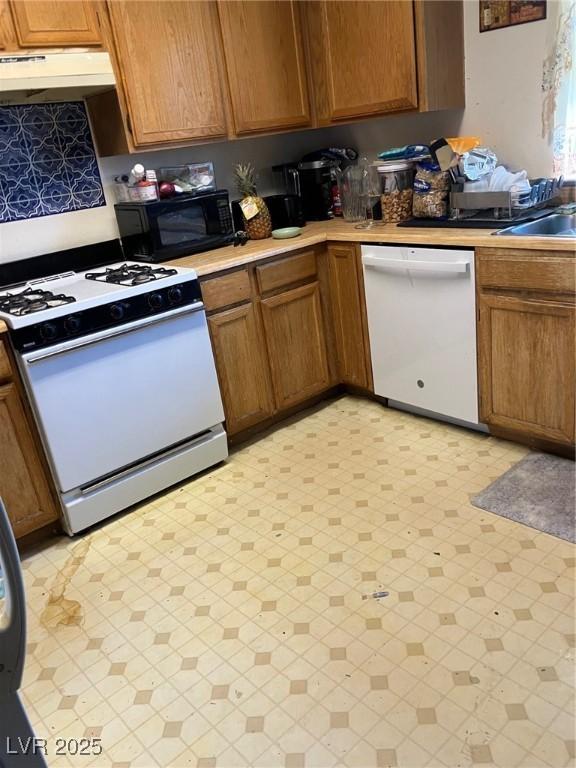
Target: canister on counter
396, 179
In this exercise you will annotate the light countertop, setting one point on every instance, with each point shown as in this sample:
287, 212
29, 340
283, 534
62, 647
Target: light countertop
315, 232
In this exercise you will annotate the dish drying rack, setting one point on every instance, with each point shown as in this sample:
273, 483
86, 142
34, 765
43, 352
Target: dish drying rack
503, 206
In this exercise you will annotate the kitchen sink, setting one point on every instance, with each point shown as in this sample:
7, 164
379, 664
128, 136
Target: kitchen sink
555, 225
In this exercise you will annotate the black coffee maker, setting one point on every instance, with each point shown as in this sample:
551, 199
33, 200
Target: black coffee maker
312, 181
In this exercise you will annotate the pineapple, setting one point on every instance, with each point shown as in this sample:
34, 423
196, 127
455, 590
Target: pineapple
258, 224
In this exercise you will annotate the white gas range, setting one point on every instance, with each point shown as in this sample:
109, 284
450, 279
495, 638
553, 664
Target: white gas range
119, 370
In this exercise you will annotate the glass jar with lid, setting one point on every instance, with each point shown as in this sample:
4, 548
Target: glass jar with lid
396, 181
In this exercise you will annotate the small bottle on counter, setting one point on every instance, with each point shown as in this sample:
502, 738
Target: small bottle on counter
136, 174
143, 185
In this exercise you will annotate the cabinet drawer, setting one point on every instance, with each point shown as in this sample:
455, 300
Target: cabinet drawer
219, 292
5, 367
289, 270
524, 270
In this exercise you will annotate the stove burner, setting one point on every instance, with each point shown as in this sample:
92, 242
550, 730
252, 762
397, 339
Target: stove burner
130, 274
32, 300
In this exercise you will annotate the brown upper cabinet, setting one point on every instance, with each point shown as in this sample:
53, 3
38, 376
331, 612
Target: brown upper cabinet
264, 57
44, 23
168, 56
372, 58
363, 58
191, 72
439, 26
7, 32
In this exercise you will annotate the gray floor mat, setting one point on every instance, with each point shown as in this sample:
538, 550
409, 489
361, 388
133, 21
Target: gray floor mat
539, 491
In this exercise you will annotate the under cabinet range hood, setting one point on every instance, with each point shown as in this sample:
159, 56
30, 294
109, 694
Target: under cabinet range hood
51, 76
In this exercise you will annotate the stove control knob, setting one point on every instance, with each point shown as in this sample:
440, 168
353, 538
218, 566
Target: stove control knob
48, 331
175, 294
117, 311
156, 300
72, 324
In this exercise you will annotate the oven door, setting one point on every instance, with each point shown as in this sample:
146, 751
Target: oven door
109, 400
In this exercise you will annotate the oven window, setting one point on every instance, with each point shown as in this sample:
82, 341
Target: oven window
183, 226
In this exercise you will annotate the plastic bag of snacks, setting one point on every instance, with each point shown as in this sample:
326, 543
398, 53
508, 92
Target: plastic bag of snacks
431, 190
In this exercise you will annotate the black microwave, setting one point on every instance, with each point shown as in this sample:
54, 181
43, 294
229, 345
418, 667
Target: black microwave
166, 229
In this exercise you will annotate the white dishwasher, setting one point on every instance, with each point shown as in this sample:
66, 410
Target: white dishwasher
421, 306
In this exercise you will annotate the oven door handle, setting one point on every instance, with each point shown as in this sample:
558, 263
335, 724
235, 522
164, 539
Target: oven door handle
69, 346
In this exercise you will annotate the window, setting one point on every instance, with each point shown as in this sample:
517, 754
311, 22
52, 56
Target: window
558, 86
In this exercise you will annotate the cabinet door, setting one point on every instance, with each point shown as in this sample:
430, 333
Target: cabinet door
242, 366
527, 366
55, 22
294, 329
23, 484
363, 57
265, 62
8, 40
349, 306
169, 56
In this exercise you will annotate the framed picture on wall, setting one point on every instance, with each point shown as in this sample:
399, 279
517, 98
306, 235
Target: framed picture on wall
496, 14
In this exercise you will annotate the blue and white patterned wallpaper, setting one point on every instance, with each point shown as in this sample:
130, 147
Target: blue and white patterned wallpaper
47, 161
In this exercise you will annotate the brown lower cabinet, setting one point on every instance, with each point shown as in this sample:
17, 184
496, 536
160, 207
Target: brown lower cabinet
271, 333
296, 339
349, 315
528, 366
240, 355
526, 344
23, 482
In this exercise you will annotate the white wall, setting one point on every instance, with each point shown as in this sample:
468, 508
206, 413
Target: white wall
23, 239
503, 96
504, 89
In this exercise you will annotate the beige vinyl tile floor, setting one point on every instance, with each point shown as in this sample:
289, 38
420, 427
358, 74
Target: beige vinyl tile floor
230, 623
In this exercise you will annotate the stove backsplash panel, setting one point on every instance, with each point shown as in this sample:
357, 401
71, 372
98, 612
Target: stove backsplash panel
47, 161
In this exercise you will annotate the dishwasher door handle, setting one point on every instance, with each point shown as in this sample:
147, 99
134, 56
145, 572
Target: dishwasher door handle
454, 267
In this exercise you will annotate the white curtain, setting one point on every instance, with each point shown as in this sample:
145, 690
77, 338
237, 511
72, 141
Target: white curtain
559, 90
